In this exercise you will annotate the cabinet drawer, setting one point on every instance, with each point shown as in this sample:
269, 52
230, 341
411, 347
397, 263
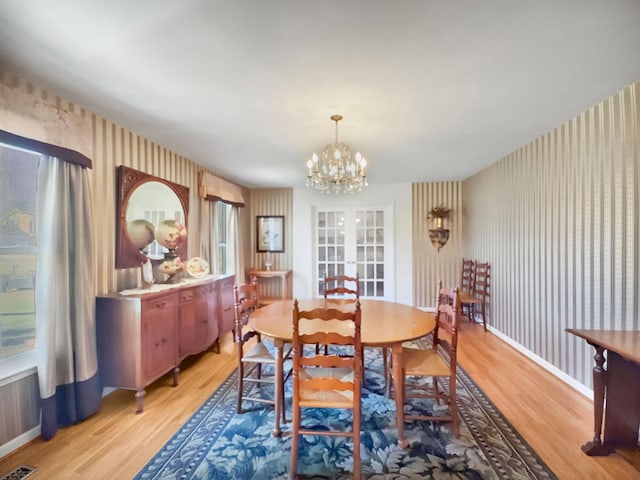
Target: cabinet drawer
159, 303
189, 295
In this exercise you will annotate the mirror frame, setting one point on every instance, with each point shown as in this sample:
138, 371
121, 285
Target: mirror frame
127, 255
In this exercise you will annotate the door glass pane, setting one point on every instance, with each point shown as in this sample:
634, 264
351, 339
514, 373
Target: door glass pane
369, 219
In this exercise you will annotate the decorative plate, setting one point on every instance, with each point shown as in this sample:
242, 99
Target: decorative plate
197, 267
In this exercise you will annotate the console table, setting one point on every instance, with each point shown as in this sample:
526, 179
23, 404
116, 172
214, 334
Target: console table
619, 383
283, 275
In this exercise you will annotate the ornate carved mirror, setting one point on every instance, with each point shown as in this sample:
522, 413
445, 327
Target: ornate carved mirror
143, 202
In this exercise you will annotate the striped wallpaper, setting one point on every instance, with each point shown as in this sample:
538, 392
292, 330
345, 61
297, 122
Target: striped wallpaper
430, 265
558, 221
272, 201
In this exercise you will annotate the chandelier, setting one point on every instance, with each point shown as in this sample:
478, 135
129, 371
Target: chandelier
335, 170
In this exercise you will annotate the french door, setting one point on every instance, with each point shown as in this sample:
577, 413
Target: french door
352, 240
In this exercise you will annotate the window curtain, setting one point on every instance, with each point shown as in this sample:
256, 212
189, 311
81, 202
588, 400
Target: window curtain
237, 254
207, 234
65, 296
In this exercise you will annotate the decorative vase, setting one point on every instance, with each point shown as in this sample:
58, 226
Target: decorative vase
141, 232
170, 234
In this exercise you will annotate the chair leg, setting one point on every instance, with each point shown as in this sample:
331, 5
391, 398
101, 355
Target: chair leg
484, 318
293, 473
453, 408
389, 376
240, 387
282, 401
356, 444
436, 390
385, 361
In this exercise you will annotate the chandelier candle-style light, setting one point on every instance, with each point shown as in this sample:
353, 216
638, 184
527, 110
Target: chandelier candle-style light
336, 171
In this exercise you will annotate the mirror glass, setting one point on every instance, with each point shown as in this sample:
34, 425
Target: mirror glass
149, 208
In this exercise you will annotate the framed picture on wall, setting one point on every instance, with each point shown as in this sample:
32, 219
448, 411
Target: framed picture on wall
270, 233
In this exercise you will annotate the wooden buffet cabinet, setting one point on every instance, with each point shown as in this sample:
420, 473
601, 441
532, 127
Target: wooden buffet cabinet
143, 335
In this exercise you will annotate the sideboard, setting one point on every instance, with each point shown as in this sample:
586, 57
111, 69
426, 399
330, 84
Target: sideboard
143, 334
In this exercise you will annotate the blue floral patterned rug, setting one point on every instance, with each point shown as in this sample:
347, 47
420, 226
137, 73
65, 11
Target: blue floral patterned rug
217, 443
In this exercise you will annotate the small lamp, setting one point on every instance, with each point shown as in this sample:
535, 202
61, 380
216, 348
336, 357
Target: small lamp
439, 235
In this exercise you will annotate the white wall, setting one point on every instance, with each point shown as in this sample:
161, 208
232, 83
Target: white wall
305, 199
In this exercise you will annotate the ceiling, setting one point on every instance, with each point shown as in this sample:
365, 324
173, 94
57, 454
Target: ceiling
429, 90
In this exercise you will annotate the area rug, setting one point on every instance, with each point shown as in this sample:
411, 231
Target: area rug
216, 443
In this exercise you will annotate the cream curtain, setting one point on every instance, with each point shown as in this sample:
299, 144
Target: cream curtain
207, 233
65, 296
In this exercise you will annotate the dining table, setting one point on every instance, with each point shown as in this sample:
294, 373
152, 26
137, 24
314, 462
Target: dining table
383, 324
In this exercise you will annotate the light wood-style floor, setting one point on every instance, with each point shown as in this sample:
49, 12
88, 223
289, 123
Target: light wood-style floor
116, 443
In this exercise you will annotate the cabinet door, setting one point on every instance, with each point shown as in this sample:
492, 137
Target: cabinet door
188, 322
227, 315
159, 335
210, 321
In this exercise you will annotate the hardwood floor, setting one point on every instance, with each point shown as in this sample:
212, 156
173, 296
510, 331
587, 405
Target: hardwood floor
115, 443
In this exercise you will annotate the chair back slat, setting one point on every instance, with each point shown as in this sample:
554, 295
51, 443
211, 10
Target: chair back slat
246, 301
327, 383
467, 276
448, 317
342, 285
327, 361
481, 285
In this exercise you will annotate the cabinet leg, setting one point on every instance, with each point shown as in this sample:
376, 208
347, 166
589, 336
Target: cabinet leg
140, 401
176, 371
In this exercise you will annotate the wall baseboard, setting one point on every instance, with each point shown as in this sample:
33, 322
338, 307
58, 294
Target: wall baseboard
19, 441
573, 383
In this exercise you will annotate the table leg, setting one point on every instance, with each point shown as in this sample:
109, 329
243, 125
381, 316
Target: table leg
595, 446
279, 387
396, 354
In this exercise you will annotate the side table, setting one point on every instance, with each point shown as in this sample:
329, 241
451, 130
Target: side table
283, 275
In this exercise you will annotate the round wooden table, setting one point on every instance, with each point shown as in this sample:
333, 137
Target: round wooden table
383, 324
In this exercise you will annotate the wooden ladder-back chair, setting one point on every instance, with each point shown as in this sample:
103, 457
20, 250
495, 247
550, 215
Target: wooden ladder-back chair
252, 354
481, 291
344, 285
467, 279
341, 285
419, 363
322, 380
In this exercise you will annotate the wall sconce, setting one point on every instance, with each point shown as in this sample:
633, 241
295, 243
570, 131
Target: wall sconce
439, 235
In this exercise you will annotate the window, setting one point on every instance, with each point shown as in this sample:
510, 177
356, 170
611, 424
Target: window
223, 247
18, 173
